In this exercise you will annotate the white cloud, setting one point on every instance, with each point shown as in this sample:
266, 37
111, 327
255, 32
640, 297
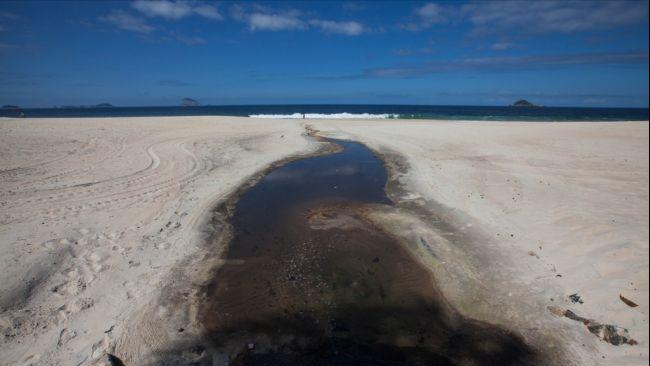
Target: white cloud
175, 10
262, 19
330, 26
126, 21
163, 8
274, 22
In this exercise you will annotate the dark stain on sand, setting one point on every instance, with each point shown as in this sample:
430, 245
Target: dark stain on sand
307, 280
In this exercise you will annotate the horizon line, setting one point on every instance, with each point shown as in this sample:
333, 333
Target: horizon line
90, 106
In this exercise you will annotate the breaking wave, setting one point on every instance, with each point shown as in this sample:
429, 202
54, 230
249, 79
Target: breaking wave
327, 116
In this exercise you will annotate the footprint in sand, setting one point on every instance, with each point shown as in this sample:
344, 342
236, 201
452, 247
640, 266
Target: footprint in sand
162, 246
94, 262
71, 288
32, 360
99, 348
65, 336
130, 294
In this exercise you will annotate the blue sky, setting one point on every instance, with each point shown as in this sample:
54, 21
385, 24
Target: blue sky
562, 53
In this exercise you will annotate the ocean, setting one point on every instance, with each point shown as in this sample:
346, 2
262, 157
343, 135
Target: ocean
474, 113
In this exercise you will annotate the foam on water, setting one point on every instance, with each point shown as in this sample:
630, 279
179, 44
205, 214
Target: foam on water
343, 115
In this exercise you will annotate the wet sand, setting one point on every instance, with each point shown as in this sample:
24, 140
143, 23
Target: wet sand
308, 279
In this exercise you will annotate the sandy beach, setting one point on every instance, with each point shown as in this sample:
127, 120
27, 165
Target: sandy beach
104, 225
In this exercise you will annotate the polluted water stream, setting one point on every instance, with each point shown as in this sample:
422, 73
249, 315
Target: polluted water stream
308, 280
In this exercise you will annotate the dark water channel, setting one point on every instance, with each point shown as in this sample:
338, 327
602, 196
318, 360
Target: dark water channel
309, 281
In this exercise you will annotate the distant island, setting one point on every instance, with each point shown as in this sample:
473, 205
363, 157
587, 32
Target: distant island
100, 105
189, 102
10, 106
524, 103
104, 105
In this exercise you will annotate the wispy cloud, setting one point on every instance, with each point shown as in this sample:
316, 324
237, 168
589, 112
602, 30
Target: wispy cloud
489, 17
350, 28
430, 14
426, 16
189, 40
263, 19
128, 22
501, 46
170, 10
208, 11
8, 15
18, 47
175, 10
352, 6
174, 83
501, 64
414, 51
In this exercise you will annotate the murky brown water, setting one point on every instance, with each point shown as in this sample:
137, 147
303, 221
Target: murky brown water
309, 281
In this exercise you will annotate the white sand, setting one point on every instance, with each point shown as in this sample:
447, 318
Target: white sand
556, 198
97, 213
101, 210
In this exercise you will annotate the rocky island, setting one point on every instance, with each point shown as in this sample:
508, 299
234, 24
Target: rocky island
524, 103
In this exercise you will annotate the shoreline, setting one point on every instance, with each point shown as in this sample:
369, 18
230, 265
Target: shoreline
351, 111
325, 119
376, 138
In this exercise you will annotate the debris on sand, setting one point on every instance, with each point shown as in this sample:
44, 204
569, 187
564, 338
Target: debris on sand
575, 298
627, 301
609, 333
